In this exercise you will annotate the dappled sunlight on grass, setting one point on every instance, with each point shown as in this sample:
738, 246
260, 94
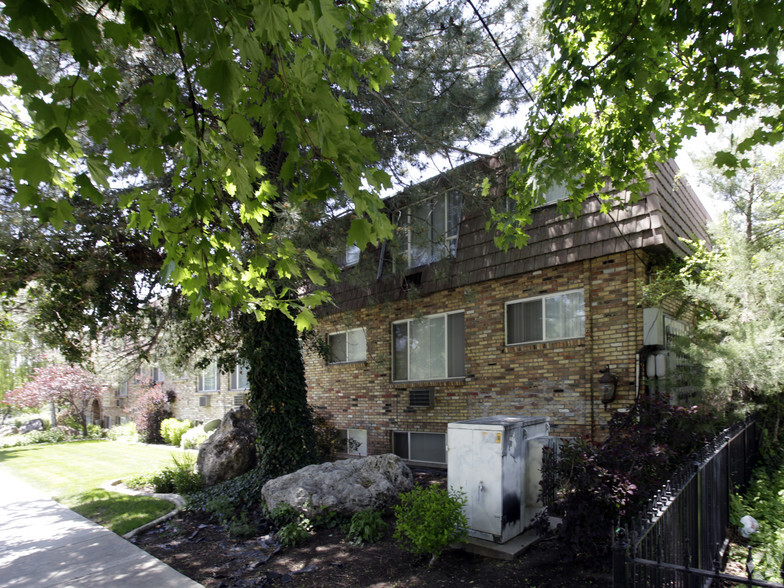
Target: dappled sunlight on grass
73, 474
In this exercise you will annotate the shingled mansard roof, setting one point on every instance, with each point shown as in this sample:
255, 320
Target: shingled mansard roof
656, 222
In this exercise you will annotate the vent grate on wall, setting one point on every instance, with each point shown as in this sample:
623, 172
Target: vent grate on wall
421, 397
204, 401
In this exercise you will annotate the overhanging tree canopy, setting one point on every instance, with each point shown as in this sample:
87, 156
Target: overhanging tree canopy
242, 119
629, 81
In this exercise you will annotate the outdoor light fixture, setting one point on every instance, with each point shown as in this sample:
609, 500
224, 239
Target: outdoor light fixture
607, 385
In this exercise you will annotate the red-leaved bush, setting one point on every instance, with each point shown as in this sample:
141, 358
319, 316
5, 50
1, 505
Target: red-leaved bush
71, 388
603, 484
149, 409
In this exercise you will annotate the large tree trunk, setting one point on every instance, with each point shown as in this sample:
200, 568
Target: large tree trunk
278, 394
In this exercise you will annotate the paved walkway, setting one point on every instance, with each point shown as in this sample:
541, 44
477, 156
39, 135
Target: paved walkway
45, 544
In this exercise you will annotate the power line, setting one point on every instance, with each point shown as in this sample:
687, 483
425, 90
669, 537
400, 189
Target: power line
500, 51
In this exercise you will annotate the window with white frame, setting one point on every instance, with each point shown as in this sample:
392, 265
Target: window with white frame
122, 391
347, 346
432, 227
349, 256
415, 446
546, 318
239, 377
429, 348
554, 193
156, 374
209, 378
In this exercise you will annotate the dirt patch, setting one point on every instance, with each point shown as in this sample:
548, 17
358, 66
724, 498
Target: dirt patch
202, 550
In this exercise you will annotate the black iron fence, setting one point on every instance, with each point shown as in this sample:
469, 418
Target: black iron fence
681, 539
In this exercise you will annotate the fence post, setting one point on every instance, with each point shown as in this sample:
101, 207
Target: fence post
619, 549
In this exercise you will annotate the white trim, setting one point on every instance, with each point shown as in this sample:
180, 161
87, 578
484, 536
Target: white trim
543, 298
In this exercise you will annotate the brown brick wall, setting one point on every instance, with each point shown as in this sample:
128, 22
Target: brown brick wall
557, 379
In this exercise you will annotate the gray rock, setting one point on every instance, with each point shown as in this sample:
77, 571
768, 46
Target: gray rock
231, 450
33, 425
346, 486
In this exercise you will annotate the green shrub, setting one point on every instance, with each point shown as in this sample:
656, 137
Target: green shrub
172, 430
294, 533
366, 526
194, 437
178, 478
283, 514
429, 519
126, 433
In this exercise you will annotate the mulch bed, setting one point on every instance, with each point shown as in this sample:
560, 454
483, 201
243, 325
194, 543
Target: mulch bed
201, 549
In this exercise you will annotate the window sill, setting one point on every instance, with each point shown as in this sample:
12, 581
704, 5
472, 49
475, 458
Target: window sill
405, 384
339, 363
553, 343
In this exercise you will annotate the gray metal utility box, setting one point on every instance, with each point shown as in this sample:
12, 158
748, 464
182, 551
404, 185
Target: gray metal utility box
491, 460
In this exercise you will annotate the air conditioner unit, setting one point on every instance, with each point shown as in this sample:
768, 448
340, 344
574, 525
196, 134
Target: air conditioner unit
239, 400
204, 401
421, 398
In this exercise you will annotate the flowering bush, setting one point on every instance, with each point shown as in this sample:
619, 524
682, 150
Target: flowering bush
149, 409
71, 388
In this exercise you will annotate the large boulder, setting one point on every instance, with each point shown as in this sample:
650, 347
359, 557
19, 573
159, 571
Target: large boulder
345, 486
231, 450
33, 425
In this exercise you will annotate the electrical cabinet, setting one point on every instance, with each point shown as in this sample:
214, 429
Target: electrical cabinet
487, 459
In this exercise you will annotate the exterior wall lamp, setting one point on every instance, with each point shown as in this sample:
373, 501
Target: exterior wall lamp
607, 385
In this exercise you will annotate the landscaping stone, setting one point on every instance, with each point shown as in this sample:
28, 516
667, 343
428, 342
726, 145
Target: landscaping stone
33, 425
346, 486
231, 450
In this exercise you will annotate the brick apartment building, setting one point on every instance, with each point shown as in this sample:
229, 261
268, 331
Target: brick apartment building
467, 330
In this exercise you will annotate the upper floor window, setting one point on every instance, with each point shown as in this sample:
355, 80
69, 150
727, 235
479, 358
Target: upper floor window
555, 193
156, 374
429, 348
349, 256
239, 377
123, 390
431, 229
209, 379
546, 318
347, 346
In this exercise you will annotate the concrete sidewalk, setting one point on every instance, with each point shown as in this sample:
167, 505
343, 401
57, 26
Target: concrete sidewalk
45, 544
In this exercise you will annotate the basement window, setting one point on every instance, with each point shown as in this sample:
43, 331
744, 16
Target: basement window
421, 447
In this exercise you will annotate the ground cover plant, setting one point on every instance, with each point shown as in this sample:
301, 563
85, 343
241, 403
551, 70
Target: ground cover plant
73, 474
764, 500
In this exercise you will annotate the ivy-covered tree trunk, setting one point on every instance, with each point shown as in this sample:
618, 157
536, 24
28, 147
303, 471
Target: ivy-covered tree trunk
278, 394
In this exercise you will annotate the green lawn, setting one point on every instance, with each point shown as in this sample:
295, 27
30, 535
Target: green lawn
73, 473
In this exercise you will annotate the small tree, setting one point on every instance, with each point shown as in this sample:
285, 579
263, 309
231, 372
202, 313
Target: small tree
72, 389
149, 409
